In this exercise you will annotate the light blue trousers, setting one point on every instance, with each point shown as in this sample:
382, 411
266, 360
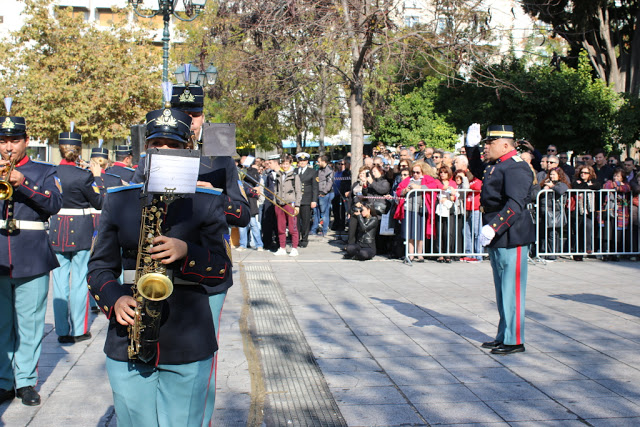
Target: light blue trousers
162, 396
70, 293
215, 302
510, 279
23, 304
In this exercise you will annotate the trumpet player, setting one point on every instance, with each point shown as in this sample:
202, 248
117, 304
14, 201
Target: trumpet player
30, 195
170, 389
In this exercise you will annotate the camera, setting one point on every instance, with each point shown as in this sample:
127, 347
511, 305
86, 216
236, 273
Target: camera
357, 209
368, 174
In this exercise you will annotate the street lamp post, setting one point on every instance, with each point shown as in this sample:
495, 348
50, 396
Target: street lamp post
191, 74
166, 8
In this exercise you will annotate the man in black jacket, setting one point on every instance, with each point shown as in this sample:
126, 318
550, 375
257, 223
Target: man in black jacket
309, 181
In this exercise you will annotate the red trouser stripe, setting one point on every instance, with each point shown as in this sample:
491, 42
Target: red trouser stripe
518, 263
86, 314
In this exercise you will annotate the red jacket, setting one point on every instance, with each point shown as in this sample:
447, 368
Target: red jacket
473, 197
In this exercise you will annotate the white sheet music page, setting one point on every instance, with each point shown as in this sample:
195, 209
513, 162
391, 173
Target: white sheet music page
173, 172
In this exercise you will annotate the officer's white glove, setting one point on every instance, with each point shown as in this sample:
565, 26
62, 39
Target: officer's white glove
486, 235
473, 135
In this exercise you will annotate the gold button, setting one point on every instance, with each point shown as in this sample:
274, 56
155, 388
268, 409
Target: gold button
73, 244
97, 298
221, 271
72, 231
230, 207
237, 210
495, 225
192, 263
209, 268
47, 192
106, 308
501, 219
59, 218
35, 187
89, 287
70, 219
26, 182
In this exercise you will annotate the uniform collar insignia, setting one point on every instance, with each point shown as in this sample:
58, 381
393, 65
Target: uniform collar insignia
8, 124
187, 96
167, 119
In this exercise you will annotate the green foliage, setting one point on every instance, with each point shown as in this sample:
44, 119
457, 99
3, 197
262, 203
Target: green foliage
566, 107
411, 118
101, 78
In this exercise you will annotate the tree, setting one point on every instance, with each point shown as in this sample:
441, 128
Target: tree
102, 79
566, 107
609, 30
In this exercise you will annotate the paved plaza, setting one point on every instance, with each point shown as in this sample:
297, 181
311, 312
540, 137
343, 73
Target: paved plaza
318, 340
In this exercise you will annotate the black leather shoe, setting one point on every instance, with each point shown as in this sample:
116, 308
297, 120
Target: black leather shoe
491, 344
6, 395
29, 396
68, 339
303, 244
505, 349
82, 337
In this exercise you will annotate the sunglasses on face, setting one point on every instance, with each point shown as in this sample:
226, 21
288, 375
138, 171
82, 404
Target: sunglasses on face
417, 172
584, 173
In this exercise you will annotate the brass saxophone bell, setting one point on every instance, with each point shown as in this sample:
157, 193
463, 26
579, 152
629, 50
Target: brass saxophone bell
155, 286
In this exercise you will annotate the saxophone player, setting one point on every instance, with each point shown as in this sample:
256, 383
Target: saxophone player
169, 389
26, 258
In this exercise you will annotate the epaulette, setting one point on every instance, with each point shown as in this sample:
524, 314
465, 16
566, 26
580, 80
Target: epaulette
124, 187
129, 169
517, 158
110, 174
43, 163
214, 191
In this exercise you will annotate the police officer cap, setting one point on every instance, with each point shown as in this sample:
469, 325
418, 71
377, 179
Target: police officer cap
70, 138
13, 126
500, 131
100, 152
303, 156
123, 150
274, 157
169, 123
188, 98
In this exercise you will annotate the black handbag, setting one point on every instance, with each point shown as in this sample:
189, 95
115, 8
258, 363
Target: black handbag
381, 206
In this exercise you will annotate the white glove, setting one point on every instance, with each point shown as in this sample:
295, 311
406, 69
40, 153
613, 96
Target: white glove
486, 235
473, 135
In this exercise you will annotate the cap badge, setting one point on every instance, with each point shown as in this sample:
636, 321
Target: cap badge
167, 119
8, 124
187, 96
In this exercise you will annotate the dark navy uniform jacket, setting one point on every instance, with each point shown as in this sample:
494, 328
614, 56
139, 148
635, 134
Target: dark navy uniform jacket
186, 332
222, 173
25, 253
309, 185
124, 172
71, 229
107, 180
506, 189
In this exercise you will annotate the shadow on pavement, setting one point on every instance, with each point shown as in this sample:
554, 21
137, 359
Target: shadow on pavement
602, 301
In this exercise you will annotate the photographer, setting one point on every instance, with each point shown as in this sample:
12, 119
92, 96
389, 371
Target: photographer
358, 191
366, 230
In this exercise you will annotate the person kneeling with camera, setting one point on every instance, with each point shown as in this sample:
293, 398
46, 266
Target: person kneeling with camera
366, 230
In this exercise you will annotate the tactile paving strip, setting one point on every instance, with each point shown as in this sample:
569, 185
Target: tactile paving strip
297, 394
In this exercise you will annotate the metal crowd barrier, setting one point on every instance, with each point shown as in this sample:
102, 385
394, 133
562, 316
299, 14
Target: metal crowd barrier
578, 222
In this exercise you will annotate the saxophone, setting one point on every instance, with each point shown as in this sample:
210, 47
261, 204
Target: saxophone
151, 284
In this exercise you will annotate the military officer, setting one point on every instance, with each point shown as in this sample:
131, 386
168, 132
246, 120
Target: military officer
26, 258
508, 231
269, 221
122, 166
309, 182
71, 234
170, 389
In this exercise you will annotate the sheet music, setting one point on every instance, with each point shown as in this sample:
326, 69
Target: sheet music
177, 172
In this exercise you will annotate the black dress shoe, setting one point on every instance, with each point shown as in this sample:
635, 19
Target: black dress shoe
29, 396
6, 395
505, 349
491, 344
82, 337
68, 339
303, 244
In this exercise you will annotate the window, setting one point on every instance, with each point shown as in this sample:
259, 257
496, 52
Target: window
82, 12
410, 21
106, 17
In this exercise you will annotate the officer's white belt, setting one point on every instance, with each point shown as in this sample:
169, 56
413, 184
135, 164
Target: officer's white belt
85, 211
24, 225
128, 277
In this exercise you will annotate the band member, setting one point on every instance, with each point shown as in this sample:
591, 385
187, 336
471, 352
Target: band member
26, 258
170, 389
269, 222
218, 172
508, 230
309, 187
122, 167
71, 233
100, 155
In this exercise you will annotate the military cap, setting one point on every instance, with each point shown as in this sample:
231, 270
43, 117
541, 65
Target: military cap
12, 126
70, 138
100, 152
187, 98
500, 131
168, 123
274, 157
303, 156
123, 150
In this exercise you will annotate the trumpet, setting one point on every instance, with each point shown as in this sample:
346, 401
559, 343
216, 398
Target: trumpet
6, 189
274, 201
